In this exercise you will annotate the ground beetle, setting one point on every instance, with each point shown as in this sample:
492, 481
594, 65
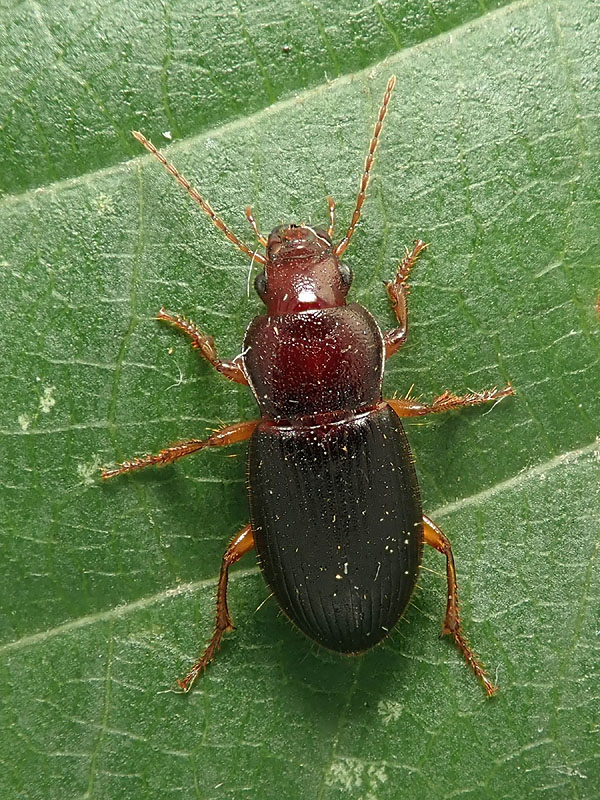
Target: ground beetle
335, 511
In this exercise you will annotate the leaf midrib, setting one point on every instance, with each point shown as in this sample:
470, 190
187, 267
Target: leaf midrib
121, 610
239, 121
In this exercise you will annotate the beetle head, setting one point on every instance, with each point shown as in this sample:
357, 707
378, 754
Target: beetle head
302, 272
297, 243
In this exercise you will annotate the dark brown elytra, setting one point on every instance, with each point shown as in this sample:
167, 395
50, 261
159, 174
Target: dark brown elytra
335, 510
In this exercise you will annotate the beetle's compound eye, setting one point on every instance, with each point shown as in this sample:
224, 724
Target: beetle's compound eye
260, 284
346, 274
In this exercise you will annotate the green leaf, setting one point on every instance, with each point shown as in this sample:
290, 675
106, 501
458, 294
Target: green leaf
490, 153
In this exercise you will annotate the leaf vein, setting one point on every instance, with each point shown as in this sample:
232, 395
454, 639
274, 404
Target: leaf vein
243, 122
119, 611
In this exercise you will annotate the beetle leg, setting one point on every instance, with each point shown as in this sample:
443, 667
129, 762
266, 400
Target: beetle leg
239, 432
398, 293
241, 544
435, 538
409, 408
233, 370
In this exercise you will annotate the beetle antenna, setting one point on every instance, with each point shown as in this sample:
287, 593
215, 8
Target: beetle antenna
254, 226
364, 182
204, 204
331, 204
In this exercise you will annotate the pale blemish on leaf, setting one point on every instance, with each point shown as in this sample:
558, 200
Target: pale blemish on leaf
47, 400
24, 421
389, 711
354, 773
103, 203
346, 773
89, 472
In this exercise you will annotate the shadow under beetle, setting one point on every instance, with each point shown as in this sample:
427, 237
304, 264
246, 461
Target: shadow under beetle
335, 510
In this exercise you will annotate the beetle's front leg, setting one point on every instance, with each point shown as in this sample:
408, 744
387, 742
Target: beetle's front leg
398, 293
230, 434
435, 538
447, 401
240, 545
233, 370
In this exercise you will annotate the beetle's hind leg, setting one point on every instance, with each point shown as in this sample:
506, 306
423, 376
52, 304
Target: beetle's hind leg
398, 293
435, 538
241, 544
